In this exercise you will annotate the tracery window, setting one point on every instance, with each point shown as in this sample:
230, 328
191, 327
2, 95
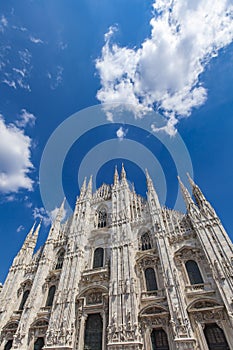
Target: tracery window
102, 218
39, 343
8, 345
159, 339
50, 297
93, 332
151, 283
193, 272
146, 241
98, 260
24, 299
215, 337
60, 260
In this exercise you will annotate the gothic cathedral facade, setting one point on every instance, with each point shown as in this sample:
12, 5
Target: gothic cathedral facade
123, 273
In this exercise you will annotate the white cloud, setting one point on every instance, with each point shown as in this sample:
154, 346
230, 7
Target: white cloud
18, 76
36, 40
15, 163
55, 77
41, 213
47, 217
164, 73
20, 228
3, 23
62, 46
10, 83
26, 118
121, 133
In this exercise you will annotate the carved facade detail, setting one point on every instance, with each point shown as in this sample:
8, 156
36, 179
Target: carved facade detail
120, 271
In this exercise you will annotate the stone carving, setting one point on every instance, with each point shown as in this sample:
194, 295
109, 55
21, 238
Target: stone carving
119, 291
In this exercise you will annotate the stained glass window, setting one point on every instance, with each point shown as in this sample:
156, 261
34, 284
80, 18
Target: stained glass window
98, 260
151, 283
146, 241
60, 260
38, 345
102, 218
50, 297
215, 337
159, 340
24, 299
193, 272
93, 332
8, 345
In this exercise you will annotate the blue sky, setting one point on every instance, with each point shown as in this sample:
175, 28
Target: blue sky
58, 58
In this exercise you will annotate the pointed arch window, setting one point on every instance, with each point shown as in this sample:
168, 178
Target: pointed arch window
98, 260
151, 283
102, 218
60, 260
24, 299
159, 339
146, 241
215, 337
93, 332
39, 343
51, 295
194, 273
8, 345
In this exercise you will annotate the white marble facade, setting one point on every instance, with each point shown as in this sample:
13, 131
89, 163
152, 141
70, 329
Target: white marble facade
123, 273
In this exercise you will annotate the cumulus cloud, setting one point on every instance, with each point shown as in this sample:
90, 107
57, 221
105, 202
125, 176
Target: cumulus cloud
15, 163
25, 118
164, 72
121, 133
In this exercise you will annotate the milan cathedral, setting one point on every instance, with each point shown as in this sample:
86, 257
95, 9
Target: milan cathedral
123, 273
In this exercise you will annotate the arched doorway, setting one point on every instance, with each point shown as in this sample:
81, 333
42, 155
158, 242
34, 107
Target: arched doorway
215, 337
8, 345
93, 332
39, 343
159, 339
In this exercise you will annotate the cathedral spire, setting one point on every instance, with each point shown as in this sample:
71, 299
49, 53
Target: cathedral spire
61, 211
83, 188
116, 177
28, 237
197, 193
37, 230
26, 247
186, 195
89, 188
151, 193
148, 180
200, 199
123, 173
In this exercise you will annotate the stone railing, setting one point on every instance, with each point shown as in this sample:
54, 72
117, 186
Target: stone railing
159, 293
202, 287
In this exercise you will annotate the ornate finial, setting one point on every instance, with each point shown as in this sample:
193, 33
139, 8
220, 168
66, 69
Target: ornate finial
123, 173
116, 176
35, 235
186, 195
133, 187
83, 188
89, 187
148, 180
192, 183
60, 212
